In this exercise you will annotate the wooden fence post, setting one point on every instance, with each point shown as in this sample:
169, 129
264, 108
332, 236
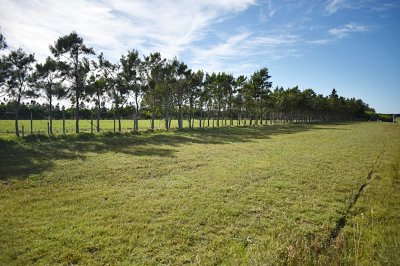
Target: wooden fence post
114, 121
23, 131
91, 123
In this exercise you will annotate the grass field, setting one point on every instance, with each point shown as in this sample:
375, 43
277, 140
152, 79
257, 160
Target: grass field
285, 194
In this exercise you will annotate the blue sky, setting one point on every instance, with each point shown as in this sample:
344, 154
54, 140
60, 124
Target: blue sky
352, 46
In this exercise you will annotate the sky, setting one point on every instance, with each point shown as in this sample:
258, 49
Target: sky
350, 45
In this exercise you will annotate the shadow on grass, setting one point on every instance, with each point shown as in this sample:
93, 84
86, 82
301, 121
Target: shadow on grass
34, 154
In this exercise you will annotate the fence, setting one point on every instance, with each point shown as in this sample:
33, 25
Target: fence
59, 126
41, 126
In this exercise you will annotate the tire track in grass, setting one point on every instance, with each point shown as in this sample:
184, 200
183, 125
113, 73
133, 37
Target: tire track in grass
341, 222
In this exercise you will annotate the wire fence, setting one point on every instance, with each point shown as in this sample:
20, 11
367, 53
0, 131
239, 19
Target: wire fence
68, 126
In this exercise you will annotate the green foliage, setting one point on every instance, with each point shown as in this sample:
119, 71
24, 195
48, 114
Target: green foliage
169, 89
70, 51
385, 117
15, 75
16, 70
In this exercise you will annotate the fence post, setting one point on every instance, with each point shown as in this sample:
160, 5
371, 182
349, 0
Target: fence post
63, 117
114, 122
23, 131
91, 122
31, 123
48, 128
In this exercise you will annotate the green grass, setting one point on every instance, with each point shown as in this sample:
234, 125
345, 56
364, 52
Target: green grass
259, 195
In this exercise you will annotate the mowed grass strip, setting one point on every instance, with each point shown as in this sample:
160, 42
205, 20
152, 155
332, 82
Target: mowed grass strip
262, 195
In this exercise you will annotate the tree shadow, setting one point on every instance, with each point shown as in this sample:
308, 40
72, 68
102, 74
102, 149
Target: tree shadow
37, 153
20, 160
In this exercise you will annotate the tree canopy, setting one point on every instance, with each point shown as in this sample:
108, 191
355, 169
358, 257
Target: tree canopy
154, 87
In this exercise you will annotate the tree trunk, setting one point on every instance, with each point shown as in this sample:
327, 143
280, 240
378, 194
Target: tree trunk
63, 116
231, 115
153, 115
16, 121
136, 118
98, 114
135, 121
191, 113
218, 116
77, 115
98, 119
51, 116
180, 116
166, 120
208, 118
119, 120
200, 118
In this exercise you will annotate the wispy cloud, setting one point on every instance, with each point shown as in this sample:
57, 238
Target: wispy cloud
342, 32
334, 5
267, 11
238, 51
114, 26
320, 41
198, 32
335, 34
383, 7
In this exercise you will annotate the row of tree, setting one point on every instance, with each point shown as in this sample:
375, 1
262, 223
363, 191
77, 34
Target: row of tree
154, 86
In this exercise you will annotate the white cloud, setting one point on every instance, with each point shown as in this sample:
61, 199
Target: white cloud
239, 52
347, 29
319, 41
182, 28
333, 5
114, 26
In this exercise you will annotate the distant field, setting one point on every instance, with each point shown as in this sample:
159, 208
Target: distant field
285, 194
40, 126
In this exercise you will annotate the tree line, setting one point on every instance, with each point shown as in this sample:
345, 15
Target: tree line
152, 87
